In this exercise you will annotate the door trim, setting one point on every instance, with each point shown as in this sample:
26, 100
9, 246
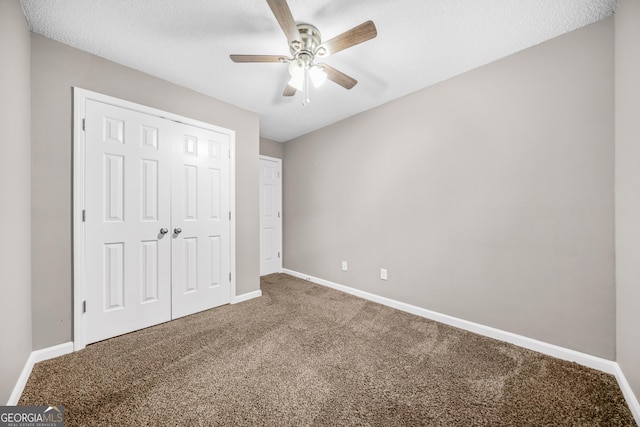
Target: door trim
80, 96
279, 162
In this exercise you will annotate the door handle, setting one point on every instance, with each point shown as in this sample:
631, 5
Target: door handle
177, 230
164, 231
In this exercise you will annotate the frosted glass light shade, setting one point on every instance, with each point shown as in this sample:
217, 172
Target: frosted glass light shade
296, 70
318, 76
297, 81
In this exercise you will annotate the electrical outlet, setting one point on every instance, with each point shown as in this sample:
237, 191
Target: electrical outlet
344, 265
383, 274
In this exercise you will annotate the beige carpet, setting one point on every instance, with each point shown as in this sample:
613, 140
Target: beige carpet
304, 354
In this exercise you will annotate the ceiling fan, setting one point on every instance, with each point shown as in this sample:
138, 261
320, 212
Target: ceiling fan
306, 45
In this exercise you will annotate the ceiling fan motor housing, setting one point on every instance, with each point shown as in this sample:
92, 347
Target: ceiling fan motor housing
310, 40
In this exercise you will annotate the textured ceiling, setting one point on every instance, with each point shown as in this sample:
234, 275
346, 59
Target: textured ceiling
419, 43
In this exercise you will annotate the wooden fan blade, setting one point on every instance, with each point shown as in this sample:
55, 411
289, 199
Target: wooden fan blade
281, 10
289, 91
352, 37
257, 58
339, 77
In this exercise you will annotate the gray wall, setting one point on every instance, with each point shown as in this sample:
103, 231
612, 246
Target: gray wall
488, 197
56, 68
627, 188
271, 148
15, 203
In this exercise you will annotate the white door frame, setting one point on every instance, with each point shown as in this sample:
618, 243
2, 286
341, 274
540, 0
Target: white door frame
80, 96
279, 162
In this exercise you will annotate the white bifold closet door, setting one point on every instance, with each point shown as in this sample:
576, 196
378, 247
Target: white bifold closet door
156, 228
200, 226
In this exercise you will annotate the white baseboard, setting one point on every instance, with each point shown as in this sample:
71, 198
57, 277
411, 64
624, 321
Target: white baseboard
629, 396
35, 357
604, 365
246, 297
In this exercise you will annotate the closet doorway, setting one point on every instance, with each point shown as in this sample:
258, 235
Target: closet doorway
153, 223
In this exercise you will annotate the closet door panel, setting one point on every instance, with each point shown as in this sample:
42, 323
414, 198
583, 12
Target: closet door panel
128, 259
200, 209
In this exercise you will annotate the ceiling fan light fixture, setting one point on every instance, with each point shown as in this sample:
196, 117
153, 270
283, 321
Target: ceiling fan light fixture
297, 81
318, 76
296, 70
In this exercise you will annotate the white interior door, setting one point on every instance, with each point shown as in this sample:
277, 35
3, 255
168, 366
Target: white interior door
127, 205
270, 216
201, 220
